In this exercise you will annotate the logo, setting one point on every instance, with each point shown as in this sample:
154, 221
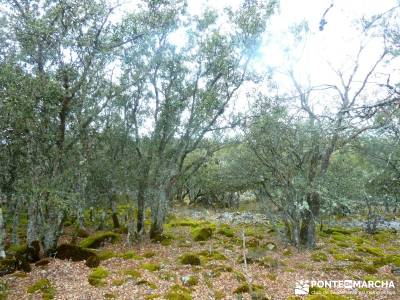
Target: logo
302, 287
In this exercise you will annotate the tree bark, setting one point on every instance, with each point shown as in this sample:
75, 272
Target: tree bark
141, 208
2, 235
158, 213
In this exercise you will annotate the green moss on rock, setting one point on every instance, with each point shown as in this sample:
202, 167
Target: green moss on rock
99, 239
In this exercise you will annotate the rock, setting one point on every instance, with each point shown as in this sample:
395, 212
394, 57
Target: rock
189, 280
395, 270
7, 266
270, 246
73, 252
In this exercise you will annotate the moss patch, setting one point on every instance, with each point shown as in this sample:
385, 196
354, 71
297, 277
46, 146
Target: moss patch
149, 284
212, 255
106, 254
370, 250
130, 255
43, 285
149, 254
190, 259
153, 267
346, 257
319, 256
245, 288
97, 276
178, 292
99, 239
225, 230
368, 268
202, 233
133, 273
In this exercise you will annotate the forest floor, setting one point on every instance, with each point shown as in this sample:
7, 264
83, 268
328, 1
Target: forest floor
179, 267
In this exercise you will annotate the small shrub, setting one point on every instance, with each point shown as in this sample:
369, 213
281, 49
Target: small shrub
97, 276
